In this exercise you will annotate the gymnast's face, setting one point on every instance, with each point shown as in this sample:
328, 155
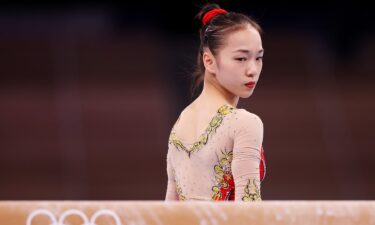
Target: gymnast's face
239, 61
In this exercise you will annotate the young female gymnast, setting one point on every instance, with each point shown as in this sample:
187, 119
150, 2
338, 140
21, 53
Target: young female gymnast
215, 149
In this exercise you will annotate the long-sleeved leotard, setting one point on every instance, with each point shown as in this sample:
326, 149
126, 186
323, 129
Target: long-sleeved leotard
226, 162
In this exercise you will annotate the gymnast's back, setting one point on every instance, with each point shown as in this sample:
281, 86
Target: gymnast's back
215, 156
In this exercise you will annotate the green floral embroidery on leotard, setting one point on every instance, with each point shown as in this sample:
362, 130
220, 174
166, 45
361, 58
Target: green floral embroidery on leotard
181, 195
203, 138
252, 192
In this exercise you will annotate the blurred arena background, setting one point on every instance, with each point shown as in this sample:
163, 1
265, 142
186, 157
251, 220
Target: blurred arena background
90, 91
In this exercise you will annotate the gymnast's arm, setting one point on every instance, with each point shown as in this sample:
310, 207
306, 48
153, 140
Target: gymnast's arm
247, 137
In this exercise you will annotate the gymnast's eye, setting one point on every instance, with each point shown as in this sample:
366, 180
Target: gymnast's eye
241, 59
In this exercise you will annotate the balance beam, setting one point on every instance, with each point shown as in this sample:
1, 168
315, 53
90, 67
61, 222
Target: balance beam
186, 213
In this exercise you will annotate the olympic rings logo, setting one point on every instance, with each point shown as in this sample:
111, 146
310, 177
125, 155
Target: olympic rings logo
70, 212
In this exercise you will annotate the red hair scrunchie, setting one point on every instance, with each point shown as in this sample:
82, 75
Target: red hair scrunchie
212, 13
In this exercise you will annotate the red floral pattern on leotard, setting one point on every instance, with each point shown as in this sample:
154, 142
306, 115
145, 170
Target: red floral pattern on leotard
225, 187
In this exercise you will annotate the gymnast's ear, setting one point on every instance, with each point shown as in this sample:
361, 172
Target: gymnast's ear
209, 61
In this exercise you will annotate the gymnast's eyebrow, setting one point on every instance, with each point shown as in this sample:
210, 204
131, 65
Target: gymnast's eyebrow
247, 51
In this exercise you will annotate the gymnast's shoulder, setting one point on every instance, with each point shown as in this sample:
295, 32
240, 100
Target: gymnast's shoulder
242, 119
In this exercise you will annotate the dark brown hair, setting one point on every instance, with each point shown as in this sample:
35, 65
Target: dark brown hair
212, 36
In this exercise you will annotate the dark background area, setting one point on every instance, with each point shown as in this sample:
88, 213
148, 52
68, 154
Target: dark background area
90, 90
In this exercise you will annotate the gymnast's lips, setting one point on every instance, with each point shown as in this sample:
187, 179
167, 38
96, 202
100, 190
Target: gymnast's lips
250, 84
